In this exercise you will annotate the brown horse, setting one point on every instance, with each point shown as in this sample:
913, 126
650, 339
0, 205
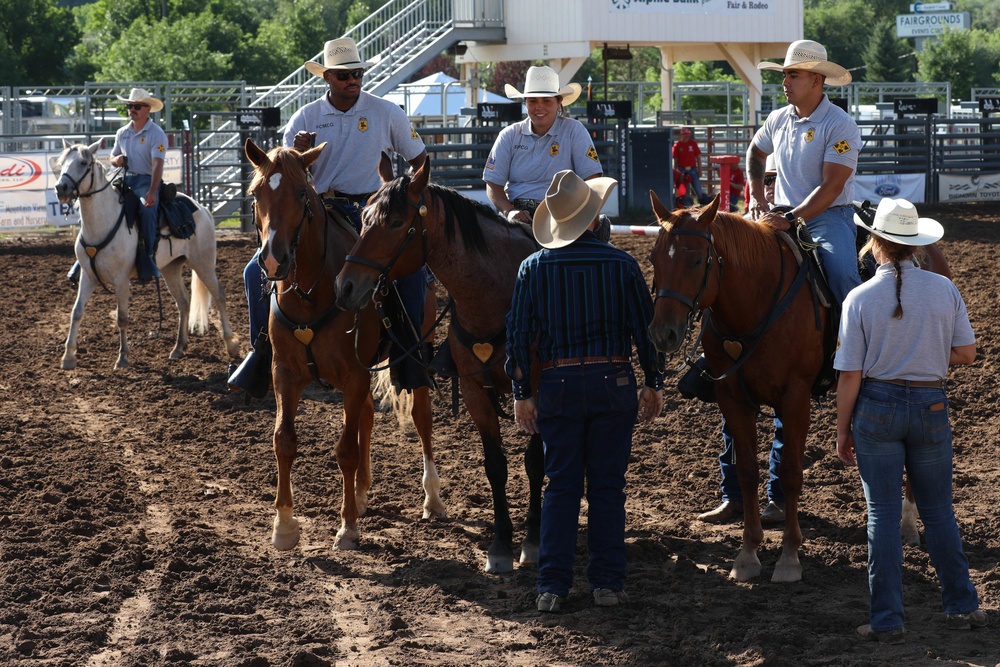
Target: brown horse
763, 335
475, 254
302, 249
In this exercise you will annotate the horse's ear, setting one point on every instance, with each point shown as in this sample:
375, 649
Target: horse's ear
385, 168
659, 210
711, 209
419, 180
94, 147
256, 156
310, 155
66, 144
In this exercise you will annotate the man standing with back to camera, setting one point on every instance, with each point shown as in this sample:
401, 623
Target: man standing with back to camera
358, 128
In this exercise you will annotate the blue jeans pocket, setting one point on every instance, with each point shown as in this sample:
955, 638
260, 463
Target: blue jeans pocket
550, 397
622, 392
936, 423
873, 419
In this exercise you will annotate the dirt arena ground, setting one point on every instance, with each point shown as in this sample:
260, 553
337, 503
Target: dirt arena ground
135, 512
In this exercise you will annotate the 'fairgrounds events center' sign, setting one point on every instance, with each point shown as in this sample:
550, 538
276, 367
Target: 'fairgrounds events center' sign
27, 188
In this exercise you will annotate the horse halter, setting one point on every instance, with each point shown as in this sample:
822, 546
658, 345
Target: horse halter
75, 193
384, 269
693, 304
307, 216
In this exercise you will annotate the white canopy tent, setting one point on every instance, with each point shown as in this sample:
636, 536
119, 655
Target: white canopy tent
436, 95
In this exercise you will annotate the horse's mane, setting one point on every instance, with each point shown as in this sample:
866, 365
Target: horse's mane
470, 214
744, 243
279, 159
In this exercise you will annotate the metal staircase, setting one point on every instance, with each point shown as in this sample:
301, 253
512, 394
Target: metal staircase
399, 38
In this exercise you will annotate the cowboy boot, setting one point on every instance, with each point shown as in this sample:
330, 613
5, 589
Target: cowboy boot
253, 375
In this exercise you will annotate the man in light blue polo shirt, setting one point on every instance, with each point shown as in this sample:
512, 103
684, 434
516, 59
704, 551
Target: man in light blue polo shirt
815, 146
526, 155
358, 127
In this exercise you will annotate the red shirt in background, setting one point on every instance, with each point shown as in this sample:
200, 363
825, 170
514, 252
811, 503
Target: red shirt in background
686, 154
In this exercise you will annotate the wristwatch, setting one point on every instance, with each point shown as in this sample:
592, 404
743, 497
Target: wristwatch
793, 221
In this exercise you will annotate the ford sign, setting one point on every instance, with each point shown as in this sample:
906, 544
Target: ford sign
888, 190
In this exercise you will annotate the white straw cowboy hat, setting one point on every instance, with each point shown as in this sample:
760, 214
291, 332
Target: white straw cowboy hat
340, 53
142, 96
570, 205
810, 56
896, 220
544, 82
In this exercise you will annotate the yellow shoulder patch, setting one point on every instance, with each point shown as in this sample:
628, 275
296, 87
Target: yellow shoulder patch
592, 154
413, 132
841, 147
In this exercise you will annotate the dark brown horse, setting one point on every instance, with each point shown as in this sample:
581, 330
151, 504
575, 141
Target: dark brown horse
475, 254
302, 250
759, 320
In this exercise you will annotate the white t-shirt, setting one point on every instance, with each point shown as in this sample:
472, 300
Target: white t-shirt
915, 347
356, 139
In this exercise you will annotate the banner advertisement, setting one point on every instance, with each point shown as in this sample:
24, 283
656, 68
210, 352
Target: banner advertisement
743, 7
27, 188
875, 187
968, 187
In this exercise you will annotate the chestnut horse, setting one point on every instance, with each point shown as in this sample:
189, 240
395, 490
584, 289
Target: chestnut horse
763, 339
302, 250
475, 254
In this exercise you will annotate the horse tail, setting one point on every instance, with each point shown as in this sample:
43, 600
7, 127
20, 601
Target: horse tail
387, 399
201, 299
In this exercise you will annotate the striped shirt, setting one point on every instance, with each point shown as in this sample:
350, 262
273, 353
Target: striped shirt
587, 299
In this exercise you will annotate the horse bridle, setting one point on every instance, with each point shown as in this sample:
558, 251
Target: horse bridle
307, 216
75, 193
384, 269
694, 305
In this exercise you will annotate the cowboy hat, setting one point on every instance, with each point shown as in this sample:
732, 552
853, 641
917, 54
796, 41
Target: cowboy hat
544, 82
810, 56
341, 53
896, 220
570, 205
142, 96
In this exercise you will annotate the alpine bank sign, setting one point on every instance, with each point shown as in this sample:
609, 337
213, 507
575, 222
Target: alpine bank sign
930, 24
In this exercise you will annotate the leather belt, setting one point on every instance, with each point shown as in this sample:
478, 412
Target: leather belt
937, 384
583, 361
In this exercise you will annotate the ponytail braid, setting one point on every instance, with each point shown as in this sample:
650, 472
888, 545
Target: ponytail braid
898, 313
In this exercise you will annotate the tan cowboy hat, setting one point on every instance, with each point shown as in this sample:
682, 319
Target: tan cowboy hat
896, 220
810, 56
340, 53
142, 96
570, 205
544, 82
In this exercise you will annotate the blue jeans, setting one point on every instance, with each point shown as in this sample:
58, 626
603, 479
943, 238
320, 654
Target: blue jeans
730, 484
586, 415
139, 184
895, 427
695, 180
835, 231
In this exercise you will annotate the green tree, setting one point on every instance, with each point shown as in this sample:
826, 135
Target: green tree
959, 57
36, 37
888, 58
841, 27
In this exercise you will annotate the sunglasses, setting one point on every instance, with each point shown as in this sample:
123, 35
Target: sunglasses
769, 179
344, 75
135, 106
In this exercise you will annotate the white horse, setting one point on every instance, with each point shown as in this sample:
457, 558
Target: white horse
106, 248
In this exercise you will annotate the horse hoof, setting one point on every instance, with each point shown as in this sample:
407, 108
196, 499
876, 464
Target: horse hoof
285, 540
786, 575
347, 540
529, 554
68, 364
121, 365
176, 354
436, 512
746, 567
499, 564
